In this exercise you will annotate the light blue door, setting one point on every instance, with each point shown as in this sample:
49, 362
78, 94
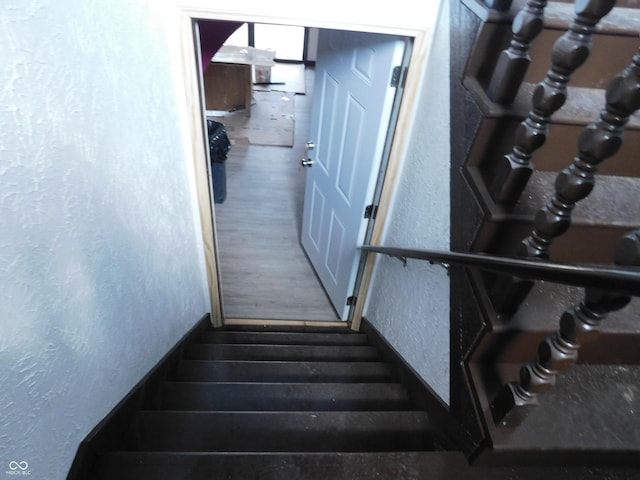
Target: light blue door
353, 100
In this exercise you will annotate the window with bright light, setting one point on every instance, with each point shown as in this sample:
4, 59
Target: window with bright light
287, 41
240, 37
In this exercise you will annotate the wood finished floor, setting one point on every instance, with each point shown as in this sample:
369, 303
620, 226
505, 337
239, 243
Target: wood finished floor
265, 272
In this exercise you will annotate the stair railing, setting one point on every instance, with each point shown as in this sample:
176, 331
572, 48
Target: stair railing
610, 278
606, 289
569, 52
578, 325
598, 141
513, 62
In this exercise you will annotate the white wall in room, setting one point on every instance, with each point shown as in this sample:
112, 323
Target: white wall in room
101, 268
410, 305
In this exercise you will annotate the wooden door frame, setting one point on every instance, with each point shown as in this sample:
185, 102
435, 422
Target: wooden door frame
189, 11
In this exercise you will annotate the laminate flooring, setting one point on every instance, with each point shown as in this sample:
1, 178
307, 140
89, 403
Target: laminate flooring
265, 272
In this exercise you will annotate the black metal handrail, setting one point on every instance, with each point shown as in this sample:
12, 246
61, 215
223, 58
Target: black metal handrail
623, 280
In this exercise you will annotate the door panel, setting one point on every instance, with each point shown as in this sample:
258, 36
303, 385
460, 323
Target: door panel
349, 122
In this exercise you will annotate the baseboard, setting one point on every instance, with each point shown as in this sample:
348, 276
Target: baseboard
447, 430
112, 432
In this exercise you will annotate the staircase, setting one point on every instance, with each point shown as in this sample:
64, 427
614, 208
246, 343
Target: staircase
605, 213
243, 402
284, 403
588, 415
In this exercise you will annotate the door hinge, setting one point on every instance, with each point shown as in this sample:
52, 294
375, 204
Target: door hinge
397, 76
371, 211
351, 301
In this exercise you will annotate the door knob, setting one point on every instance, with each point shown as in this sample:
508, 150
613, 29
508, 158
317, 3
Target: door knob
306, 162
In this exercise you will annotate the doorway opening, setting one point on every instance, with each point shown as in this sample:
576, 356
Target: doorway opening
265, 273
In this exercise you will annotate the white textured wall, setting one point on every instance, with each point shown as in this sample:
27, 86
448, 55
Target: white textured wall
410, 305
100, 261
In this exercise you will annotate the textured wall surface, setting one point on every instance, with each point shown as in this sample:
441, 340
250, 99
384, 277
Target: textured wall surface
410, 305
100, 263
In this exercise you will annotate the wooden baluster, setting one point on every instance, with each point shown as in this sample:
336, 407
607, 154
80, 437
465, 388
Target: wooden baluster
598, 141
513, 62
500, 5
569, 52
578, 325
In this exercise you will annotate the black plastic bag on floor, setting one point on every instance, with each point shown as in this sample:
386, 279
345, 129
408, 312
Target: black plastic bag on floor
219, 146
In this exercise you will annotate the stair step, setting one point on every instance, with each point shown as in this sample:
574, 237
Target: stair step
273, 371
281, 352
321, 466
516, 341
269, 466
557, 152
282, 432
609, 200
283, 396
434, 465
283, 338
505, 228
622, 20
616, 32
588, 418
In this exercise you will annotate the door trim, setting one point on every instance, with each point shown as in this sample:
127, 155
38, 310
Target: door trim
191, 10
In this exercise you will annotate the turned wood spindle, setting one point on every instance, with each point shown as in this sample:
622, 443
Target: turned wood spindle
569, 52
578, 325
513, 62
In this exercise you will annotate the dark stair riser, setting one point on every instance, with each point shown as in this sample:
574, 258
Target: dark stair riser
282, 397
283, 371
283, 338
280, 352
562, 140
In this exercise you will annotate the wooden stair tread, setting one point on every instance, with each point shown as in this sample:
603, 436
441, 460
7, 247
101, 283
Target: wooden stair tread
589, 416
282, 431
622, 20
282, 371
280, 352
608, 203
516, 339
283, 396
582, 107
538, 313
283, 338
